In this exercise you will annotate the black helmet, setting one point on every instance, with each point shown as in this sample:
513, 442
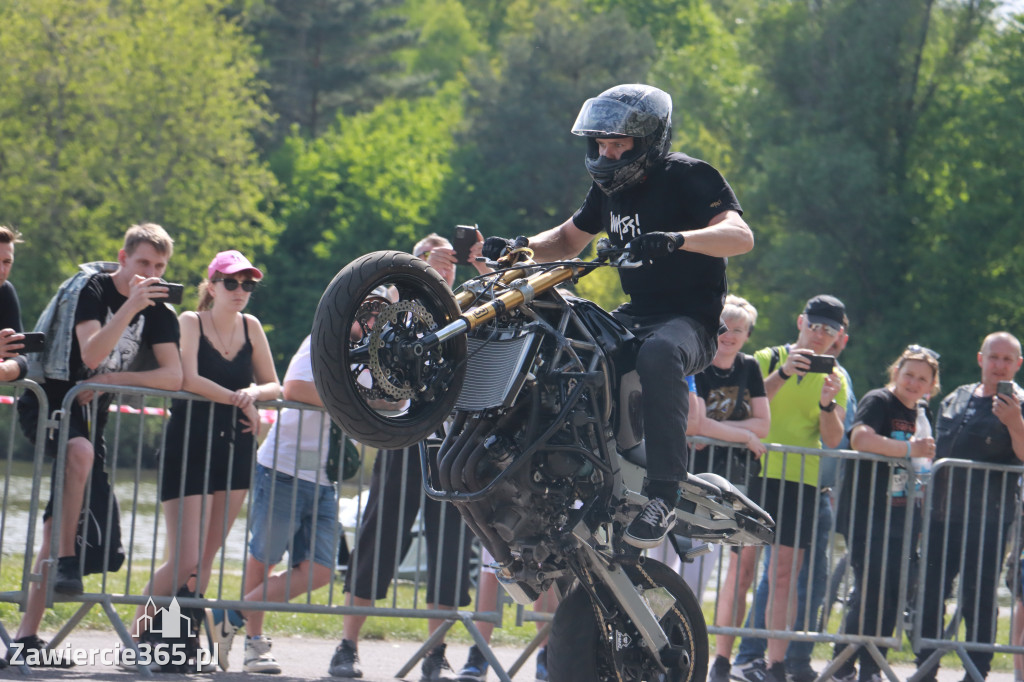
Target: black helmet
633, 110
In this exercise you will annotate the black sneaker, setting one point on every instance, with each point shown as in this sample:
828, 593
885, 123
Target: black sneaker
436, 667
32, 651
476, 666
776, 672
69, 577
651, 525
720, 670
754, 671
802, 672
345, 661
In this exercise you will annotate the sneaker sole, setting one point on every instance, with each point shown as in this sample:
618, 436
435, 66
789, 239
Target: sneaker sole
642, 544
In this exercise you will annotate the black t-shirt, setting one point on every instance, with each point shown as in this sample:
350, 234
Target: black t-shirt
683, 194
100, 300
887, 416
728, 395
10, 308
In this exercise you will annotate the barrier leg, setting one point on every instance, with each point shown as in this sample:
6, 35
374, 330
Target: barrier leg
435, 638
123, 633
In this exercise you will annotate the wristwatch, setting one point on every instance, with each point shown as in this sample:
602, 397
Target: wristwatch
828, 408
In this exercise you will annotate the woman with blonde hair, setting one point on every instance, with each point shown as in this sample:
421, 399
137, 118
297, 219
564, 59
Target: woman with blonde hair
874, 500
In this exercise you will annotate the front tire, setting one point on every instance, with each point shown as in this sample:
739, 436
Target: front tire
378, 393
578, 650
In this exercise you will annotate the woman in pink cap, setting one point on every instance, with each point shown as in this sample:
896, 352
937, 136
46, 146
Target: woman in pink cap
209, 449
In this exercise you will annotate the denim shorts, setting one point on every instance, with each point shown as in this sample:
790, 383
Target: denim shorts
315, 521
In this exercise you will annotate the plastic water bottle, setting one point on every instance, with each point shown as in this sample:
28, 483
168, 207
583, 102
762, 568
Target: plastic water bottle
922, 429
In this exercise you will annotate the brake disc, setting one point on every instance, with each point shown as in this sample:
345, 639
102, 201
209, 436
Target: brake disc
388, 375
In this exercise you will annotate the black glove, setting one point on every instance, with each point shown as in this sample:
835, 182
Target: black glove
655, 245
495, 247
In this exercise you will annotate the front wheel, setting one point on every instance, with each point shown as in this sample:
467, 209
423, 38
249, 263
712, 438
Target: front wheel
580, 650
373, 385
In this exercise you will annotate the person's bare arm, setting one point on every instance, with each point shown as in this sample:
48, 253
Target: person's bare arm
863, 438
560, 243
300, 391
727, 234
167, 376
96, 340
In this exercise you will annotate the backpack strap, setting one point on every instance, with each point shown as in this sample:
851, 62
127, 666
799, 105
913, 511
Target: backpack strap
776, 358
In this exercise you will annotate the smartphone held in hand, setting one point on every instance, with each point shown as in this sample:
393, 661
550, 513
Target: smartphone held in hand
465, 237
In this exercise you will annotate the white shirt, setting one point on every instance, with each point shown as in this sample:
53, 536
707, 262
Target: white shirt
297, 443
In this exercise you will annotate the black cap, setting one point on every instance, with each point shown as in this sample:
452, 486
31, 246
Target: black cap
825, 309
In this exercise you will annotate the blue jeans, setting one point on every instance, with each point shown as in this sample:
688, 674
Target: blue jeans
753, 648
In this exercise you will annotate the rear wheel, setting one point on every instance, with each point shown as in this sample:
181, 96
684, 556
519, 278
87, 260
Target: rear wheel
371, 383
579, 650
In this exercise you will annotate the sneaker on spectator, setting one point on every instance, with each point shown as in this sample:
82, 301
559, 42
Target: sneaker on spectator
69, 577
849, 675
752, 671
476, 666
542, 665
258, 658
802, 672
776, 672
345, 661
720, 670
221, 626
874, 677
435, 666
651, 525
33, 652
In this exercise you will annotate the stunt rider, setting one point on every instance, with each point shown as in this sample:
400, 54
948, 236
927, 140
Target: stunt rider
679, 215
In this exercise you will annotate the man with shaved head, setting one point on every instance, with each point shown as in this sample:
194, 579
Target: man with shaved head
974, 509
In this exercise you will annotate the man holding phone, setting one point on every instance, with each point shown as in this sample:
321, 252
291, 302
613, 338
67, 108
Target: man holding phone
974, 509
808, 399
114, 316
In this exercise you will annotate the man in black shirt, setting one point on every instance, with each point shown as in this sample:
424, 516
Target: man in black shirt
679, 215
10, 307
116, 316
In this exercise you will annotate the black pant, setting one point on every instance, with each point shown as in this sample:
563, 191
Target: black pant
673, 348
373, 567
876, 587
981, 551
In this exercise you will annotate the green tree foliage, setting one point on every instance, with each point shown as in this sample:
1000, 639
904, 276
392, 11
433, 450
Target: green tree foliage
371, 182
118, 113
843, 91
518, 169
325, 56
447, 42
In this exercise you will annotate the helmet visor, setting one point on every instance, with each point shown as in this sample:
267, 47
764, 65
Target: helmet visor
601, 116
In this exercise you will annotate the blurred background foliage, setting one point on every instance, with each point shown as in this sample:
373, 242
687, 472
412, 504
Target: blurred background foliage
874, 145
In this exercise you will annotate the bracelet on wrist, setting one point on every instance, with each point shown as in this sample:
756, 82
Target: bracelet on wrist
782, 374
828, 408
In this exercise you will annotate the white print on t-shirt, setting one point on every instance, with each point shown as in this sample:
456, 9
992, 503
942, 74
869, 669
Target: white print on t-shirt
626, 227
126, 350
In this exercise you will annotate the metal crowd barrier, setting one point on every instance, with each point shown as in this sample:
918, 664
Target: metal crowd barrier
134, 432
827, 572
135, 437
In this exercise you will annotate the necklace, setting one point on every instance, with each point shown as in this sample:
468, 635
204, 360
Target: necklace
225, 349
722, 373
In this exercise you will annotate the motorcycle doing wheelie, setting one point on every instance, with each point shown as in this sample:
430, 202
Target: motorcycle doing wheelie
543, 452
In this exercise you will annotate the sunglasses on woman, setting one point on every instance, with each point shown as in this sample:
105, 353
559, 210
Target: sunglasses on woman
914, 348
230, 283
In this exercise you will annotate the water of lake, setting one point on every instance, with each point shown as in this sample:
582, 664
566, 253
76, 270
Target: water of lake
138, 514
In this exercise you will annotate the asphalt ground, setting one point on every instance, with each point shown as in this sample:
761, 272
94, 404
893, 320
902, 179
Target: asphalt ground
307, 659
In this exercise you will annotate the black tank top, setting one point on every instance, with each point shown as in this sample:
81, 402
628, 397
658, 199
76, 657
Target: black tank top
233, 374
